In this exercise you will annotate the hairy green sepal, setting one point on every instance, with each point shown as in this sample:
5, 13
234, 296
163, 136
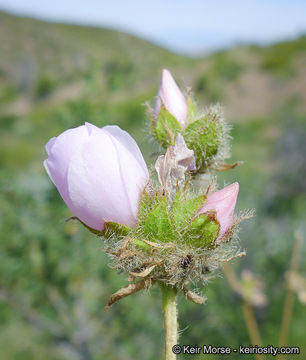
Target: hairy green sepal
177, 223
157, 226
159, 222
201, 136
184, 209
202, 232
192, 111
146, 204
141, 244
166, 128
119, 230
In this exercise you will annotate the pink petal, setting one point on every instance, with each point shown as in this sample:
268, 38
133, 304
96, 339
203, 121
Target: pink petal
100, 173
172, 98
126, 140
223, 202
50, 144
105, 181
60, 151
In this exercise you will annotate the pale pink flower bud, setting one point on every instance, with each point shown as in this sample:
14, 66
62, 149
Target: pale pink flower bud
223, 202
99, 172
172, 98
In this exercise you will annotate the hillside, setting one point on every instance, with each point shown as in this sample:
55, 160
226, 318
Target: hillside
57, 62
40, 58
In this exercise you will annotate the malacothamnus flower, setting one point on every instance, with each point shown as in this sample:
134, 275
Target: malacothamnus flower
165, 233
99, 172
149, 231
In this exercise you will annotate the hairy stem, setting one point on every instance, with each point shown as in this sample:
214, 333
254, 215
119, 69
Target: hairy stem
170, 319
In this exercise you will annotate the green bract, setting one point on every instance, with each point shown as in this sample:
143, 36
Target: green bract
202, 136
166, 128
157, 225
178, 223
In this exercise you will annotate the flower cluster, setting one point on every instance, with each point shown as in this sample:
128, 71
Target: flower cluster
163, 233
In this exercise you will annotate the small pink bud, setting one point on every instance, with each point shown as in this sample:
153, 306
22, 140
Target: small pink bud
99, 172
172, 98
223, 202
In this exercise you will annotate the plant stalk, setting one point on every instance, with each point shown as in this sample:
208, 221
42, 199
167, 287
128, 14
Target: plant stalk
170, 319
248, 311
288, 305
252, 326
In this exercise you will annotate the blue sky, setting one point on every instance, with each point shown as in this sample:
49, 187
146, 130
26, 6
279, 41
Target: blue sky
188, 26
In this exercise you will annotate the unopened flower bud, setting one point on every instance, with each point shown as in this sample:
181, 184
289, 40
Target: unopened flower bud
99, 172
223, 202
170, 96
204, 132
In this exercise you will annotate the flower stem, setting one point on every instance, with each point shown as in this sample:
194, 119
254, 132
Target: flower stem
170, 319
252, 326
248, 311
288, 305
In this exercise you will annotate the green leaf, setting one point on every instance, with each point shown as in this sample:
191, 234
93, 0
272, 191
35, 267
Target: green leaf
157, 226
166, 128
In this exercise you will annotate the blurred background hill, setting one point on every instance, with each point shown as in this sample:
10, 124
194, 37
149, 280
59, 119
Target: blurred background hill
54, 278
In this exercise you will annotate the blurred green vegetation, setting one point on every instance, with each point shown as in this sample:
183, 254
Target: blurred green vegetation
279, 58
54, 277
44, 86
224, 68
